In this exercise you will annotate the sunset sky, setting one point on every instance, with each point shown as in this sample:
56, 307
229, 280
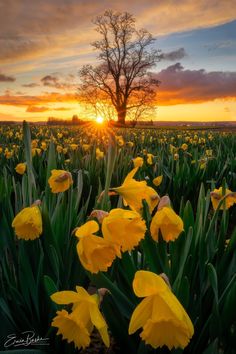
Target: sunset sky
44, 43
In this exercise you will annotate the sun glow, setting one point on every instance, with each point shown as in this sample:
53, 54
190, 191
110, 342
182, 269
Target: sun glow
99, 120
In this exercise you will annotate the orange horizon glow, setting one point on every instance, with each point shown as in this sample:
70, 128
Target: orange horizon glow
218, 110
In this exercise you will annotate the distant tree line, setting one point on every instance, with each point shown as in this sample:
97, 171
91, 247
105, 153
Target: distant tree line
73, 121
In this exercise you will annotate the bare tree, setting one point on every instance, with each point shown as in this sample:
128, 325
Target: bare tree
122, 79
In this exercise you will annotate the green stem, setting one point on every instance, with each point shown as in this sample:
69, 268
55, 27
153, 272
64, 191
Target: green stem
110, 167
102, 281
150, 250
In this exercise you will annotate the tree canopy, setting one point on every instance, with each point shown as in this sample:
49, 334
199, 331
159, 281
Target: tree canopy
121, 83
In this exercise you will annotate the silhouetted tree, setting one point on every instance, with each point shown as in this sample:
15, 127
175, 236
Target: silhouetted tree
122, 79
75, 119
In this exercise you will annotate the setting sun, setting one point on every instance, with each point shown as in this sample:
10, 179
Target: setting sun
99, 120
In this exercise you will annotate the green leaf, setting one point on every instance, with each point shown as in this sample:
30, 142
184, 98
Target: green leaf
5, 309
28, 158
184, 292
118, 325
213, 280
212, 348
50, 286
183, 260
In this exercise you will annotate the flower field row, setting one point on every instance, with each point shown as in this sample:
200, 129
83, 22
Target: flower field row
127, 232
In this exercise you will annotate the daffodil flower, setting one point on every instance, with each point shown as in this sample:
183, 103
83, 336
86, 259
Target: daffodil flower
229, 198
157, 181
138, 162
124, 228
133, 192
160, 315
95, 253
60, 181
28, 223
20, 168
78, 325
167, 221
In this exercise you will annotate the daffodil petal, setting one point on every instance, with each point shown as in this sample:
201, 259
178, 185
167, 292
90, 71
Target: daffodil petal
147, 283
99, 322
65, 297
141, 314
177, 309
89, 227
131, 174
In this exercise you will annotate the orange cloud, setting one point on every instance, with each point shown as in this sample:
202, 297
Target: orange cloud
179, 85
37, 109
14, 100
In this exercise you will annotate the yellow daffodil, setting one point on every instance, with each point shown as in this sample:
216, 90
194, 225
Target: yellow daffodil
217, 195
184, 147
8, 154
36, 151
43, 146
120, 141
160, 315
95, 253
209, 153
130, 144
157, 181
176, 157
60, 181
202, 164
138, 162
59, 149
99, 154
28, 223
78, 325
124, 228
166, 221
73, 146
34, 143
173, 149
85, 147
150, 159
202, 141
72, 328
133, 192
20, 168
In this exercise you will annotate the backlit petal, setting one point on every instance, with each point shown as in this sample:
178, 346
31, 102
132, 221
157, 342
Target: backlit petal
147, 283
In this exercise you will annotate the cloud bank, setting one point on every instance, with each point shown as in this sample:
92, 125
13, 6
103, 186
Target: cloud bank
5, 78
32, 29
174, 55
179, 85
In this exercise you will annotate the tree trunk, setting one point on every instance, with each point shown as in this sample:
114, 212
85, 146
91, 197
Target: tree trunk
121, 114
